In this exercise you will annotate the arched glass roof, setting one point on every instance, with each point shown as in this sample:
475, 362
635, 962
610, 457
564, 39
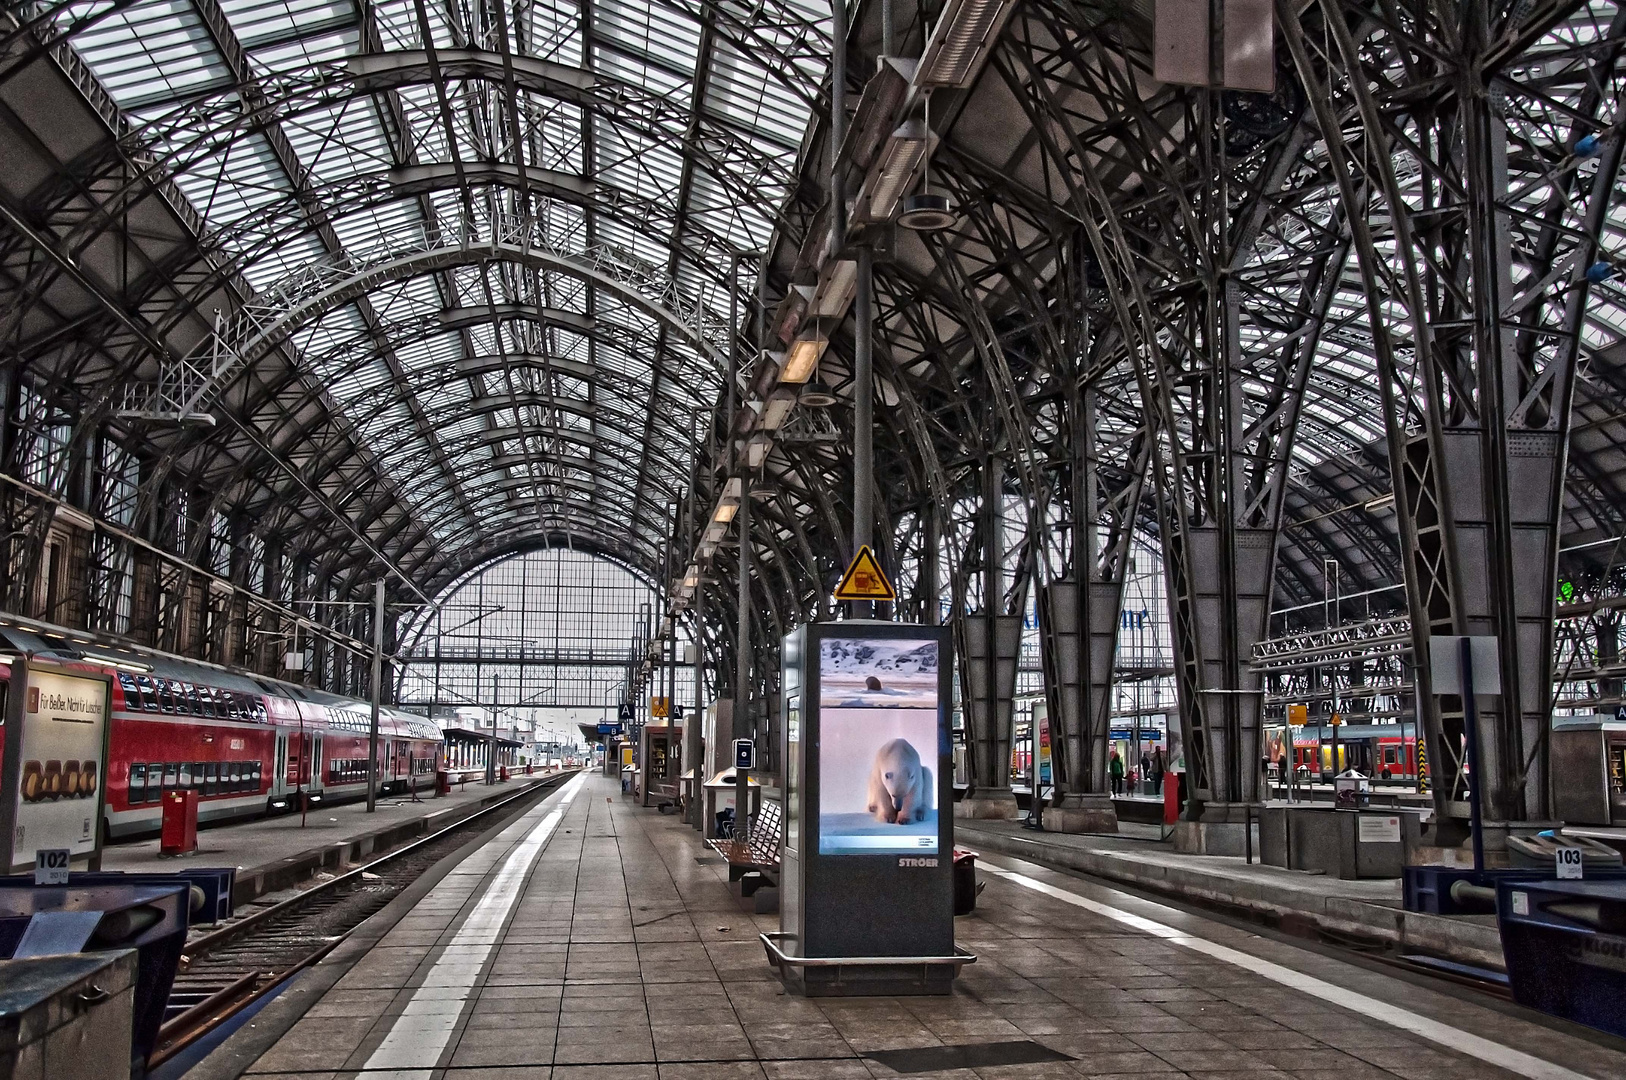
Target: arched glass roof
506, 232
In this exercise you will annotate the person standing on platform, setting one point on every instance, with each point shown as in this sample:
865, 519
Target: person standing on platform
1145, 774
1158, 769
1115, 766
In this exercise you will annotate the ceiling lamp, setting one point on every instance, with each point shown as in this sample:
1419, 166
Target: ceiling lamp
803, 357
818, 395
927, 211
900, 157
776, 409
729, 504
961, 42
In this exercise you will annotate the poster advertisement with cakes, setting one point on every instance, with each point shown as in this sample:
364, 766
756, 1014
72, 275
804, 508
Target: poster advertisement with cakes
63, 755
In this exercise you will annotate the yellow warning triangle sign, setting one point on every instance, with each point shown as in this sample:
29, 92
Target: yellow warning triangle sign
864, 579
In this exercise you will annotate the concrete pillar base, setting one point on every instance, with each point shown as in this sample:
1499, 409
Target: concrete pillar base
1219, 832
989, 804
1079, 813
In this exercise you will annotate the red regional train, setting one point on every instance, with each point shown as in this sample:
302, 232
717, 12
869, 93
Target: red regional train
1381, 751
246, 744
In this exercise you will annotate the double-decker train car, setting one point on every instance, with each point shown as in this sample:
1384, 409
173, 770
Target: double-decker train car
1381, 751
246, 744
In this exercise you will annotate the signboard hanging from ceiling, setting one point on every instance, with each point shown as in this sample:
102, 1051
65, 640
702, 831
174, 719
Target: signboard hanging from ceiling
864, 579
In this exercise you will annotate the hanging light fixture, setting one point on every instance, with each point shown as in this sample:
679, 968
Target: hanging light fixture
927, 211
817, 394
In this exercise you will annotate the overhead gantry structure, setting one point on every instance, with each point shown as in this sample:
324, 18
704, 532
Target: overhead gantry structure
298, 297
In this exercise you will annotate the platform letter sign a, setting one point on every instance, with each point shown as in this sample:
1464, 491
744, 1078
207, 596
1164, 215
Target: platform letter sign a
51, 866
1568, 860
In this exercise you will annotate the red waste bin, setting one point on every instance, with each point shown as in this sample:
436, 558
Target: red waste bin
180, 830
505, 774
443, 782
1171, 797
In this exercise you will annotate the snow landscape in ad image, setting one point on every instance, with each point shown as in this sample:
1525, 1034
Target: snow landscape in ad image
877, 674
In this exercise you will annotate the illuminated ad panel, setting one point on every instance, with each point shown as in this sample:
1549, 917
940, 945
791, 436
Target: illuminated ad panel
64, 737
878, 746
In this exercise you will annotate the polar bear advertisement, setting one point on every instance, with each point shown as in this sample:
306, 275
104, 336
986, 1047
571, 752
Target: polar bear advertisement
878, 747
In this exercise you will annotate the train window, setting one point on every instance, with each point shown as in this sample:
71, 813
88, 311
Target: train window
211, 778
138, 784
148, 697
254, 775
235, 706
172, 776
194, 700
206, 698
132, 696
186, 775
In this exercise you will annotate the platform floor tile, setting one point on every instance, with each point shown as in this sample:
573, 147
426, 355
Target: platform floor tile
617, 952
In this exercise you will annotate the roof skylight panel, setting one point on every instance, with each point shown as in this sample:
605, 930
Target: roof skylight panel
246, 177
340, 141
411, 300
296, 251
420, 112
258, 22
398, 25
549, 30
152, 52
615, 60
341, 325
303, 52
433, 357
742, 93
665, 36
391, 224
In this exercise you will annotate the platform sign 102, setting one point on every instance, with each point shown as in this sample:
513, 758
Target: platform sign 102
51, 866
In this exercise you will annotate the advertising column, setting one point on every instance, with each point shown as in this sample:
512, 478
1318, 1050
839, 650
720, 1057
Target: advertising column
866, 865
55, 764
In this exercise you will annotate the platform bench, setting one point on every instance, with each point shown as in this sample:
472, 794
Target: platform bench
758, 852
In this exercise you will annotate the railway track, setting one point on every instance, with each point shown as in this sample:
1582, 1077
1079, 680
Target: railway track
225, 971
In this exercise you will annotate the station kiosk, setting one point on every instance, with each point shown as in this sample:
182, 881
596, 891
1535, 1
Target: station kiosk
660, 758
866, 878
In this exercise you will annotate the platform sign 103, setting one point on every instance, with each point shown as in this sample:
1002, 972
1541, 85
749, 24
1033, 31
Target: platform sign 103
1568, 863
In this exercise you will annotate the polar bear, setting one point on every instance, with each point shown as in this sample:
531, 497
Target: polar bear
900, 787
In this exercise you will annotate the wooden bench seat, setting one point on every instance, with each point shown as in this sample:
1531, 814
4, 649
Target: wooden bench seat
758, 850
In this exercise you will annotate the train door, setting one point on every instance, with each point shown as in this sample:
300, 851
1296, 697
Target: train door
294, 776
279, 768
316, 763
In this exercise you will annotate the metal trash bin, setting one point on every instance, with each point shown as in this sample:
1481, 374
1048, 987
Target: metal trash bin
1352, 790
965, 881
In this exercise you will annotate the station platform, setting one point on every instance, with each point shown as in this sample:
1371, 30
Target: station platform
594, 939
1371, 909
276, 852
